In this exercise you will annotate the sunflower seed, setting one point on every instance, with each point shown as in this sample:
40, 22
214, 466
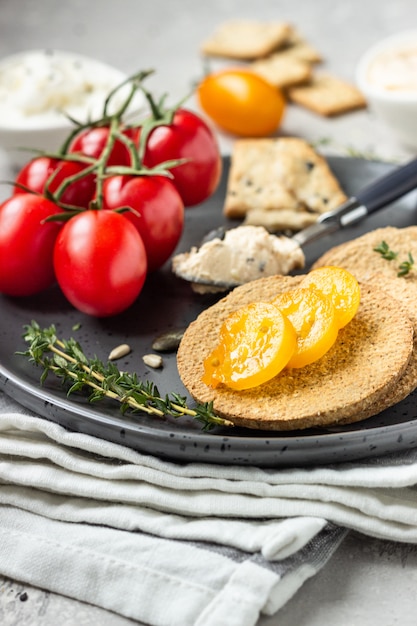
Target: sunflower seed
119, 352
152, 360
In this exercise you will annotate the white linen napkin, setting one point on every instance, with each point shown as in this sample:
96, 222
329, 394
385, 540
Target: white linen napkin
187, 544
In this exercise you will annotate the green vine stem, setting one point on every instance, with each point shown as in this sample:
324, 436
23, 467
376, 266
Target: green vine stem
66, 360
135, 80
160, 116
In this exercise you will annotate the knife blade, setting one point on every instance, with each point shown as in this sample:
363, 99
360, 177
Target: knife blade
370, 199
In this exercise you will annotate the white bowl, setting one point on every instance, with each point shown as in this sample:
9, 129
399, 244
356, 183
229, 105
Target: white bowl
39, 87
387, 76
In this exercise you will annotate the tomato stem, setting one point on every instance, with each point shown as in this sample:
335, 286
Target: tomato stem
135, 80
160, 115
97, 202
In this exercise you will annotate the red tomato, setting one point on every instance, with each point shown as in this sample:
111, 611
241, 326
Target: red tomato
159, 212
241, 102
26, 244
92, 141
100, 262
36, 173
80, 192
188, 137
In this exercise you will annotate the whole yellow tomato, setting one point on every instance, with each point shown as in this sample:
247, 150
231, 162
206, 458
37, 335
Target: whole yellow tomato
241, 102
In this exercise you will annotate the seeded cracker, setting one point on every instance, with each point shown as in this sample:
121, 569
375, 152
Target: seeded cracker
327, 95
246, 39
280, 184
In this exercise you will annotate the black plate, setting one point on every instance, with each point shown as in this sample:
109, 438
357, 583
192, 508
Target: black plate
168, 303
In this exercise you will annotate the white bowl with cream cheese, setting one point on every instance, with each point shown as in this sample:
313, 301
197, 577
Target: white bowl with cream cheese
40, 88
387, 76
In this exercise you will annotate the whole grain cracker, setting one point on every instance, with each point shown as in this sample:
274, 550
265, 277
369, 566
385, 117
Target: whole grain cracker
280, 175
363, 366
359, 257
406, 294
282, 70
327, 95
246, 39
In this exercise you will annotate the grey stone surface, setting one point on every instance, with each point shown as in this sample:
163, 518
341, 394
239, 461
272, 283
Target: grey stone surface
367, 581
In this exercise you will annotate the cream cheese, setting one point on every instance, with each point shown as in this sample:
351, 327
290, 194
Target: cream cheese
38, 88
395, 69
244, 254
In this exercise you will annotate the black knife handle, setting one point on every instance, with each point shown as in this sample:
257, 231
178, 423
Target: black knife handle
388, 188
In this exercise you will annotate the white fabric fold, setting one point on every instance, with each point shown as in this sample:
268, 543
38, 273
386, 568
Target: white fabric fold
229, 540
365, 496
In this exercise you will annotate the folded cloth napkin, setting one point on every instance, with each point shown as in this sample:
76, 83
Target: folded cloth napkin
182, 544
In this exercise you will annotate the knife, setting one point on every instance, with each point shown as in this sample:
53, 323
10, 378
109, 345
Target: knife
370, 199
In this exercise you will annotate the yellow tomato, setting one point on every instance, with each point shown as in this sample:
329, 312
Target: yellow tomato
297, 328
341, 286
313, 316
256, 343
241, 102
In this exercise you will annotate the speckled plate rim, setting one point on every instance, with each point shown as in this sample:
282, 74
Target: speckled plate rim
268, 450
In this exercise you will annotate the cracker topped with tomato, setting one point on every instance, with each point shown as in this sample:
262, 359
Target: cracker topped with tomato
358, 371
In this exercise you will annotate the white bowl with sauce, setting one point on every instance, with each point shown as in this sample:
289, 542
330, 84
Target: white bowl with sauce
39, 88
387, 76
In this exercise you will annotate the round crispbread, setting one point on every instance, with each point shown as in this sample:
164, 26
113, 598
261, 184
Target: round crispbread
358, 256
406, 295
364, 365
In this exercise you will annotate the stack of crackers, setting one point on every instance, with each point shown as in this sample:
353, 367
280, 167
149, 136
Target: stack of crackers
282, 184
278, 53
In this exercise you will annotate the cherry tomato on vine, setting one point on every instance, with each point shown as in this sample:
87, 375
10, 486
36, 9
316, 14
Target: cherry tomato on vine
26, 244
92, 141
241, 102
78, 193
37, 172
187, 137
158, 212
100, 262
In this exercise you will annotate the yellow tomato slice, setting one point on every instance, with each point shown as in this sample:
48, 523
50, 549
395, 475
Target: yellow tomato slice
341, 286
313, 316
256, 343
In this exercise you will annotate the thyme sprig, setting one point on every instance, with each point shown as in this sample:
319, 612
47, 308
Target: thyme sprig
66, 359
405, 267
385, 251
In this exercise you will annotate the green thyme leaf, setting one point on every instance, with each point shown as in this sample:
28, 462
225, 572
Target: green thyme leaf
406, 266
385, 251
